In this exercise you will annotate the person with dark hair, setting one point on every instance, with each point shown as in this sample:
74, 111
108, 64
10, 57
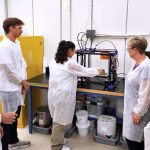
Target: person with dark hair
62, 90
13, 80
137, 94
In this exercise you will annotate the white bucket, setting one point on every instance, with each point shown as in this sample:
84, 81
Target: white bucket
106, 126
83, 130
82, 117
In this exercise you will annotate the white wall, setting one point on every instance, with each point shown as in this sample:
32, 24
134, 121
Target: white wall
57, 19
2, 15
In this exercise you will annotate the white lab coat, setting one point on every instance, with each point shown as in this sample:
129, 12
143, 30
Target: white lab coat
147, 137
12, 72
62, 89
137, 100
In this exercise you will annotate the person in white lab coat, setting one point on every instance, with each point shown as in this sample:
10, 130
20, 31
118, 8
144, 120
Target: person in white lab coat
62, 90
137, 94
13, 84
7, 118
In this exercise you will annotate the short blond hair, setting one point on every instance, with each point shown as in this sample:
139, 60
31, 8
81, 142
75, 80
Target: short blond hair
138, 42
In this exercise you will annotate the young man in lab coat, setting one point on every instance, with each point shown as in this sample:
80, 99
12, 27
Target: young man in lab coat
13, 84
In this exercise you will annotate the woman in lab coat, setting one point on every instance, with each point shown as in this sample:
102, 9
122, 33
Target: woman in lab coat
62, 90
137, 94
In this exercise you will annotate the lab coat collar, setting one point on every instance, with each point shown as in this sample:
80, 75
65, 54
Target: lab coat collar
144, 61
9, 41
141, 64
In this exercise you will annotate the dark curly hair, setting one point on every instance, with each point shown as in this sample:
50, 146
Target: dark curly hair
62, 51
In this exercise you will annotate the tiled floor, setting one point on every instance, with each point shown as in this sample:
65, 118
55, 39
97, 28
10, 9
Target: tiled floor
42, 142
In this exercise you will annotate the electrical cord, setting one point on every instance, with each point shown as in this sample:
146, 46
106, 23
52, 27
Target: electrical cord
79, 40
106, 41
114, 48
88, 35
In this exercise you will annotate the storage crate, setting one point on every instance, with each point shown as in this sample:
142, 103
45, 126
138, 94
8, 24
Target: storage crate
45, 130
108, 141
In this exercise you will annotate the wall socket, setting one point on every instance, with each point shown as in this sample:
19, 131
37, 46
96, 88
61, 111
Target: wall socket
90, 34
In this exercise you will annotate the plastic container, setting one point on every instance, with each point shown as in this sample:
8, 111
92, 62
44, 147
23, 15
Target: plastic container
106, 126
108, 141
80, 105
92, 125
41, 129
82, 117
95, 107
119, 108
83, 130
44, 118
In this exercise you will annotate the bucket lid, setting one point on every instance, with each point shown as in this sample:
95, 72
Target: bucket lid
83, 126
106, 118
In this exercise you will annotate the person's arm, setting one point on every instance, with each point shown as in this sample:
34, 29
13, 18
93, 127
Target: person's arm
143, 101
144, 98
12, 75
25, 86
79, 70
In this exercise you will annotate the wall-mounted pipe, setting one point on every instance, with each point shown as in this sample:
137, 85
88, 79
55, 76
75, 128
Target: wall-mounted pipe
92, 14
126, 31
60, 19
121, 36
70, 9
33, 17
6, 8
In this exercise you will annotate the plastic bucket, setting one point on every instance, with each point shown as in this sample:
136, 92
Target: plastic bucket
83, 130
106, 126
82, 117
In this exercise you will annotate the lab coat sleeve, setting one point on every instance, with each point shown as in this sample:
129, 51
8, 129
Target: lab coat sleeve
144, 98
24, 73
79, 70
12, 76
7, 66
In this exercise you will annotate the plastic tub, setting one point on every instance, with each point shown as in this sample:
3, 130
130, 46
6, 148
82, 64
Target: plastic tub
83, 130
82, 117
106, 126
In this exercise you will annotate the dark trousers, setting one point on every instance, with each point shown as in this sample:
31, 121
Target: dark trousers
132, 145
10, 132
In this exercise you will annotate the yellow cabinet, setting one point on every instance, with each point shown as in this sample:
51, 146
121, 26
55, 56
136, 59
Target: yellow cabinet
32, 50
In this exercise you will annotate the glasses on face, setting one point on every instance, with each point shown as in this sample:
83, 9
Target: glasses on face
129, 48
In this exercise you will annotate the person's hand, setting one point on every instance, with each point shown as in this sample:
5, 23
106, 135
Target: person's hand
8, 118
136, 118
23, 91
101, 71
25, 86
1, 132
